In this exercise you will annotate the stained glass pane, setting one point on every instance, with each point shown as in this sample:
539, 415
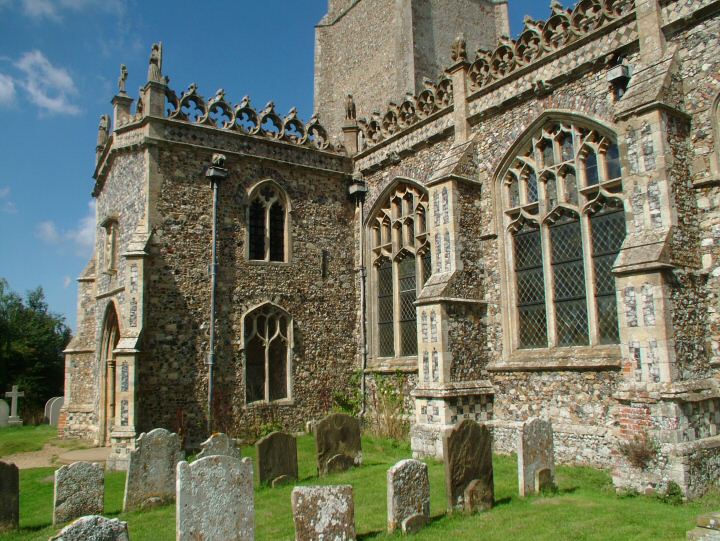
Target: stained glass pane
551, 198
614, 169
408, 295
427, 266
277, 367
531, 289
568, 152
591, 168
514, 190
277, 232
256, 230
548, 153
569, 283
608, 233
254, 371
532, 188
571, 191
386, 336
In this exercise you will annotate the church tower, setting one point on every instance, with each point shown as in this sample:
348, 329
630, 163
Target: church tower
380, 50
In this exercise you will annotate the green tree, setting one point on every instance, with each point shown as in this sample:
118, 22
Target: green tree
31, 343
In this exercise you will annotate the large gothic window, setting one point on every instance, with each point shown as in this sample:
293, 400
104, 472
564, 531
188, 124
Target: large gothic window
565, 224
267, 225
268, 346
400, 252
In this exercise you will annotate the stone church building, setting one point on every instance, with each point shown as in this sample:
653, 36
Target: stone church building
520, 227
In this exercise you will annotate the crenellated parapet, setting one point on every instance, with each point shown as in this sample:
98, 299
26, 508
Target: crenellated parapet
542, 38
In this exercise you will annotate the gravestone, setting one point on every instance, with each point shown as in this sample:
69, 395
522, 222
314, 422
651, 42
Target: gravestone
468, 457
277, 458
79, 491
215, 500
9, 496
151, 471
536, 459
4, 413
324, 513
14, 419
220, 444
54, 412
94, 528
408, 496
337, 438
46, 411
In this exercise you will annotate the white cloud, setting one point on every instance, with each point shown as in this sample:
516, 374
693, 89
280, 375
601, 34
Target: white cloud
52, 9
38, 9
66, 282
7, 89
6, 205
4, 192
80, 239
48, 87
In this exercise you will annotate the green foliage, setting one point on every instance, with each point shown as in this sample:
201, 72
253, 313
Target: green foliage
31, 343
269, 428
389, 419
639, 451
349, 400
24, 439
673, 494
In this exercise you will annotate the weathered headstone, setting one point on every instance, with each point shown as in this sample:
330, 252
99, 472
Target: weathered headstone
337, 438
468, 457
277, 458
46, 411
54, 411
4, 413
220, 444
14, 419
9, 496
324, 513
94, 528
408, 494
79, 491
151, 471
215, 500
536, 460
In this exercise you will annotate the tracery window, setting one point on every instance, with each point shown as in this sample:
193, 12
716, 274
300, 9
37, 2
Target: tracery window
267, 225
400, 252
268, 347
110, 245
565, 226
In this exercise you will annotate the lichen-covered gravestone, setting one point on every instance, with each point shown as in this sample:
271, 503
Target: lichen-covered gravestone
326, 513
408, 496
220, 444
277, 458
215, 500
4, 413
536, 460
79, 491
94, 528
337, 438
468, 457
9, 496
151, 471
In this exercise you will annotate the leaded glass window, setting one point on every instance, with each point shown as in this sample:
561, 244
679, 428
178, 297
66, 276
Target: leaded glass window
401, 254
268, 339
563, 241
267, 225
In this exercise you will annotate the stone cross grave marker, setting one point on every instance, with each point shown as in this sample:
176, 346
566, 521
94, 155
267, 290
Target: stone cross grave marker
79, 491
277, 458
151, 471
9, 496
4, 413
536, 461
13, 395
408, 496
326, 512
467, 450
94, 528
220, 444
337, 438
215, 500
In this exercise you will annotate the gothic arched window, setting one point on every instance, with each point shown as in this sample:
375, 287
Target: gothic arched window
268, 225
400, 252
565, 226
268, 349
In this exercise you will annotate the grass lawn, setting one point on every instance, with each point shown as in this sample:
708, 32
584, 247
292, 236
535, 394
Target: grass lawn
585, 508
24, 439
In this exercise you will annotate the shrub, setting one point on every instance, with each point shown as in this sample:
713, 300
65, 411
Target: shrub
673, 494
388, 401
639, 451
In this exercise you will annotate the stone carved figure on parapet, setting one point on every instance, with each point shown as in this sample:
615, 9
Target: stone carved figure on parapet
155, 65
459, 49
350, 110
103, 132
122, 79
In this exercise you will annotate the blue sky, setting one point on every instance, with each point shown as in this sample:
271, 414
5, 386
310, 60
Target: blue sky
59, 63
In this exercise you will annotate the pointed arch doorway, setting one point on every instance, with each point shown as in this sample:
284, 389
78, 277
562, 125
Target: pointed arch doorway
110, 339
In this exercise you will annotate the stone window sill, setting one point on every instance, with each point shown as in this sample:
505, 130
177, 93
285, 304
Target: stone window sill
273, 263
391, 365
281, 402
572, 358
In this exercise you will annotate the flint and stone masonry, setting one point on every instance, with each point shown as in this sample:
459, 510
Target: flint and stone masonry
403, 237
